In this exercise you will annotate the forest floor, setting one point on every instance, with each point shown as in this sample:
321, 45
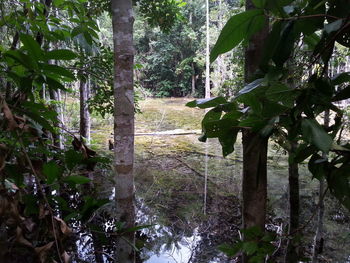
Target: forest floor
192, 218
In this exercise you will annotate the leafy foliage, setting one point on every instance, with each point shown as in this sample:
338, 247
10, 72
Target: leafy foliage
278, 101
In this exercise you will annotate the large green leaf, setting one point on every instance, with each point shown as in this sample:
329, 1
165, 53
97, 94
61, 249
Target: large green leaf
238, 28
339, 184
72, 159
343, 94
27, 61
281, 93
76, 179
57, 71
52, 171
32, 46
206, 103
60, 54
286, 43
314, 133
251, 87
259, 3
341, 78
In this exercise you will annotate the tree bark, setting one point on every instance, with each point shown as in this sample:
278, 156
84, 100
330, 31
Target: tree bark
319, 239
292, 252
57, 138
84, 129
254, 185
207, 55
193, 80
123, 19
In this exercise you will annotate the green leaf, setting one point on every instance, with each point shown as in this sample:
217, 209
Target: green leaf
32, 46
54, 84
339, 184
136, 228
206, 103
250, 247
314, 133
57, 70
52, 171
250, 87
72, 159
318, 166
230, 250
286, 42
334, 26
342, 94
60, 54
238, 28
27, 61
76, 179
259, 3
303, 152
281, 93
341, 78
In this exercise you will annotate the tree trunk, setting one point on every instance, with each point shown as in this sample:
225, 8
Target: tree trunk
254, 185
207, 55
123, 19
84, 129
193, 80
57, 138
292, 253
319, 240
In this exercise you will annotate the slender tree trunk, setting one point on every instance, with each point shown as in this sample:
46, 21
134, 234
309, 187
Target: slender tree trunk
57, 138
319, 239
84, 129
207, 55
123, 19
193, 91
292, 253
254, 185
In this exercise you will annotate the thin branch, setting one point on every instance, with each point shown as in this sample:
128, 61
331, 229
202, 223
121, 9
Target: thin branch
309, 16
43, 194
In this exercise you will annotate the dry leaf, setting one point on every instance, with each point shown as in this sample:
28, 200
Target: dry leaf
20, 238
65, 257
64, 228
12, 124
29, 224
42, 251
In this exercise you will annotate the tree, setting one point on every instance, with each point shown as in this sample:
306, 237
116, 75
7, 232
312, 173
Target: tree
272, 104
122, 19
207, 53
254, 185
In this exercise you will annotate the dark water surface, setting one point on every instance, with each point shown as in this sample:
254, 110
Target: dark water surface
171, 195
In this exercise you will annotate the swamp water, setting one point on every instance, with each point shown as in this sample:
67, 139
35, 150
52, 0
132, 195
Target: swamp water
172, 193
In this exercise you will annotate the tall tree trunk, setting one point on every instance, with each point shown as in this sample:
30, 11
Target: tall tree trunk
254, 185
292, 253
207, 55
123, 19
193, 91
84, 129
319, 239
57, 138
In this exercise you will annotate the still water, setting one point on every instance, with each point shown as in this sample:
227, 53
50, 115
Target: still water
190, 194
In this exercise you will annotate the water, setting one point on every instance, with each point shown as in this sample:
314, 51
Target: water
172, 191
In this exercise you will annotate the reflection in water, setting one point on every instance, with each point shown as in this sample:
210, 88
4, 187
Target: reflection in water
205, 178
170, 177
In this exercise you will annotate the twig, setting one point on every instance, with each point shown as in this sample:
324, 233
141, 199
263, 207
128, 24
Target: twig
309, 16
309, 220
43, 194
